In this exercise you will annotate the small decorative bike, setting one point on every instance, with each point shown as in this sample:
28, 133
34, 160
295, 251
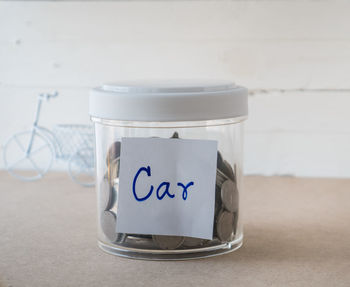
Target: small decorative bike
28, 155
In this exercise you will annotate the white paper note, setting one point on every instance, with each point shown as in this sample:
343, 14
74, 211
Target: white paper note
167, 187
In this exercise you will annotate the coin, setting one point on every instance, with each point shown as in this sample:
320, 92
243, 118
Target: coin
220, 177
108, 225
223, 166
113, 170
143, 236
168, 242
224, 225
235, 173
120, 238
218, 202
106, 195
192, 242
229, 196
226, 169
219, 161
113, 152
229, 170
235, 223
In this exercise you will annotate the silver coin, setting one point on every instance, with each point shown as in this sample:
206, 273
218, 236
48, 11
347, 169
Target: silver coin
113, 152
219, 161
224, 226
215, 227
224, 166
113, 170
229, 196
220, 177
229, 170
220, 164
121, 237
218, 203
226, 169
168, 242
143, 236
108, 225
235, 172
106, 195
193, 242
235, 223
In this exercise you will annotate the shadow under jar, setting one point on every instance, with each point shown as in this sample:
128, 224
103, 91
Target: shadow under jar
189, 132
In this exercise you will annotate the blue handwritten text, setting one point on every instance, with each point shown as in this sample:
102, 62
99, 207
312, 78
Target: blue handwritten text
162, 190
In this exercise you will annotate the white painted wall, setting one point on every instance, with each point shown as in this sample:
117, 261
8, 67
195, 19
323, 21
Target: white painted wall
293, 55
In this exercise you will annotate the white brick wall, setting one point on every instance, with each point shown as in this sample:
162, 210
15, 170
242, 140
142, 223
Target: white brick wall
293, 55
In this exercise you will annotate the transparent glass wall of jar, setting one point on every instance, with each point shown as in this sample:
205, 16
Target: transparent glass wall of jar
227, 232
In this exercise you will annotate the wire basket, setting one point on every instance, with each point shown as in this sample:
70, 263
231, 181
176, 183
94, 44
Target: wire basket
71, 138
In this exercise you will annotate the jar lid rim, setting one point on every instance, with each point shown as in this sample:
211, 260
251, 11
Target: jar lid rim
169, 100
168, 86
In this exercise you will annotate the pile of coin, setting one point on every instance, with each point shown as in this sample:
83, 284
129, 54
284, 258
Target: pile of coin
225, 215
226, 201
108, 195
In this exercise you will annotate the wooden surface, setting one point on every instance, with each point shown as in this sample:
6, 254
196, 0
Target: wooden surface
297, 233
294, 56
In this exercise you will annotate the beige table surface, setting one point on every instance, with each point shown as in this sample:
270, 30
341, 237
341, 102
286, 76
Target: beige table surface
297, 233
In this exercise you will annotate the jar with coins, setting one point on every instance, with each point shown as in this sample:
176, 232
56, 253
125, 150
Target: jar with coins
169, 168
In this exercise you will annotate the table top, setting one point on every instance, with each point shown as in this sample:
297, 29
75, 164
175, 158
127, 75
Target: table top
297, 233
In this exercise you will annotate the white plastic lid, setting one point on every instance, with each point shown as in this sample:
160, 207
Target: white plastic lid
169, 101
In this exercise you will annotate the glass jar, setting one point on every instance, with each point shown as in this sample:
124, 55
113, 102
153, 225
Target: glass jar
189, 135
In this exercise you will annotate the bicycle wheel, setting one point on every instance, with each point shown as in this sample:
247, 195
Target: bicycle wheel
81, 167
24, 164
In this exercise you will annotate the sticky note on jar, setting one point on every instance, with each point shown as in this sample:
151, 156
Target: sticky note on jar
167, 187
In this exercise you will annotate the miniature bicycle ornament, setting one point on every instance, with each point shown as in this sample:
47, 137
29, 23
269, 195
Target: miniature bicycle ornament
28, 155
